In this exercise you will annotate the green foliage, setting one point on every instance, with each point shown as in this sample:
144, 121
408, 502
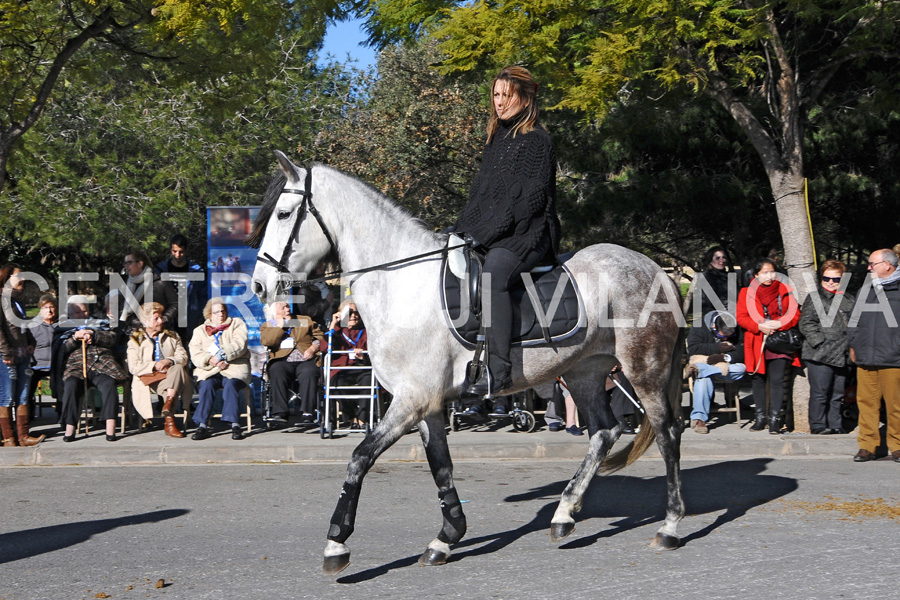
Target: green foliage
415, 137
135, 154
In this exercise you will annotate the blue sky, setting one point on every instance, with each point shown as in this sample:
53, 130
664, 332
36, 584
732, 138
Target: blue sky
345, 37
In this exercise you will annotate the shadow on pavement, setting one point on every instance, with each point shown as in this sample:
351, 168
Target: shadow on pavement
733, 487
17, 545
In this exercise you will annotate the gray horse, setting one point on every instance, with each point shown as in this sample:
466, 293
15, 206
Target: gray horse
633, 319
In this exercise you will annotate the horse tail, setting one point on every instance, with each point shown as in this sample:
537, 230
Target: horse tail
636, 448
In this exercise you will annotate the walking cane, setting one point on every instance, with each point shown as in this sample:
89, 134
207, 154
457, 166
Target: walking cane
84, 399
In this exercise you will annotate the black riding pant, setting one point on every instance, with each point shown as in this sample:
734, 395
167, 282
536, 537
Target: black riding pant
501, 272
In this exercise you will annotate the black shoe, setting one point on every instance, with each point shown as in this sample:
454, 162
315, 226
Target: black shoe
306, 418
759, 424
236, 433
147, 425
820, 431
500, 410
574, 430
556, 427
628, 430
111, 438
69, 438
201, 434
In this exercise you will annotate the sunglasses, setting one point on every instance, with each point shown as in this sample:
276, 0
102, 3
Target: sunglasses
831, 279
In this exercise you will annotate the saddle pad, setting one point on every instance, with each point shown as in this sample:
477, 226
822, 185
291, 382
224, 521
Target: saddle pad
565, 322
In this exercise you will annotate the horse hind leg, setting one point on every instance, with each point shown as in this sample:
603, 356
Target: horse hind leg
604, 431
434, 437
668, 440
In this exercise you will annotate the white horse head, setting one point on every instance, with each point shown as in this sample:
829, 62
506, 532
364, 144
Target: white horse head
289, 233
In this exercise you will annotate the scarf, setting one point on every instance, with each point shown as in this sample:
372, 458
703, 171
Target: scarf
210, 330
136, 288
895, 276
767, 295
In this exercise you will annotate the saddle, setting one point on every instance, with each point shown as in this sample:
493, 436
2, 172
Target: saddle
532, 301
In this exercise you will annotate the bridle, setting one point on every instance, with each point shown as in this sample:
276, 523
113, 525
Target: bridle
305, 206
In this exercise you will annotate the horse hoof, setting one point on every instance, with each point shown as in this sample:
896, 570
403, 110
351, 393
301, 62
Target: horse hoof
560, 531
335, 564
664, 541
432, 557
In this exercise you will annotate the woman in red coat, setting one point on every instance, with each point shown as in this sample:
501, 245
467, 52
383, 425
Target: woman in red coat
764, 307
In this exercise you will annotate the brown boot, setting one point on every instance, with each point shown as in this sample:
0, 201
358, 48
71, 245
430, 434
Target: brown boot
22, 428
6, 426
167, 407
171, 429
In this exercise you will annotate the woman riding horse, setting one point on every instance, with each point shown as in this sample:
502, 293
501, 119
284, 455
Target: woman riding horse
511, 210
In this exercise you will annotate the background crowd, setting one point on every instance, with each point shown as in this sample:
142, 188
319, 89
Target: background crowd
749, 329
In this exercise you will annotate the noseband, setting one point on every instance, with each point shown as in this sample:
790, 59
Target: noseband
305, 206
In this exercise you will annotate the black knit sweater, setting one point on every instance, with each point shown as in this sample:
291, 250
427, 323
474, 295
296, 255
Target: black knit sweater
512, 202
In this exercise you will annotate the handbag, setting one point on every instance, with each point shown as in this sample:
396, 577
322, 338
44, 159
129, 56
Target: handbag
151, 378
783, 341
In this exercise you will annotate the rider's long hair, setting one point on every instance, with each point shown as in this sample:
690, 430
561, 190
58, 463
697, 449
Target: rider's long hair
524, 87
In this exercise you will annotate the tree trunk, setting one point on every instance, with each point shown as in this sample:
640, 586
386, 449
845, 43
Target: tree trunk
793, 219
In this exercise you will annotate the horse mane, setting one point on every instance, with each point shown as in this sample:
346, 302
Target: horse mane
270, 199
387, 204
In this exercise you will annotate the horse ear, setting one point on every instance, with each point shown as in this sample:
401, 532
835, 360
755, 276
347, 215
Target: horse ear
289, 169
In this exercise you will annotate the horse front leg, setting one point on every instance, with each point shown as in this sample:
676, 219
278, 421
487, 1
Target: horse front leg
382, 437
668, 439
604, 430
434, 437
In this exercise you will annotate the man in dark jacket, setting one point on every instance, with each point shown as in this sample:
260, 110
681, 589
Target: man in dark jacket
874, 335
717, 354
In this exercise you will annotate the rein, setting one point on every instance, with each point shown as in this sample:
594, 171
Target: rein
393, 263
308, 206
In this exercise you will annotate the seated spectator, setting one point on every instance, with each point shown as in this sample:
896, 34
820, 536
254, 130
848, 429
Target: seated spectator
16, 346
352, 341
293, 343
157, 361
222, 361
86, 347
826, 348
42, 327
716, 353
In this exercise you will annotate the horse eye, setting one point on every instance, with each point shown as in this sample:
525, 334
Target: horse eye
283, 214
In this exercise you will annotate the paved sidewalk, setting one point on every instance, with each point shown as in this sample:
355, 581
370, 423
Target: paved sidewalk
497, 440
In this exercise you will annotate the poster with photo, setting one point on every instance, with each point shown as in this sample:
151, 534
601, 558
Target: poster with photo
230, 268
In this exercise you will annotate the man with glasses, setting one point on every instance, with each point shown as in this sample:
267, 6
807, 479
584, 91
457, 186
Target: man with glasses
874, 335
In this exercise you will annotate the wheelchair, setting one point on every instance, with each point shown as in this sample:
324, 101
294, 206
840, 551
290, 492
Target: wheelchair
522, 419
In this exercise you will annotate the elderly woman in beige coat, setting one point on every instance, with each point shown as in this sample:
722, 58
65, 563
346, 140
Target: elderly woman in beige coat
222, 361
157, 359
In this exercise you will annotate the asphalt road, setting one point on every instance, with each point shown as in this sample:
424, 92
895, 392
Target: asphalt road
766, 528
